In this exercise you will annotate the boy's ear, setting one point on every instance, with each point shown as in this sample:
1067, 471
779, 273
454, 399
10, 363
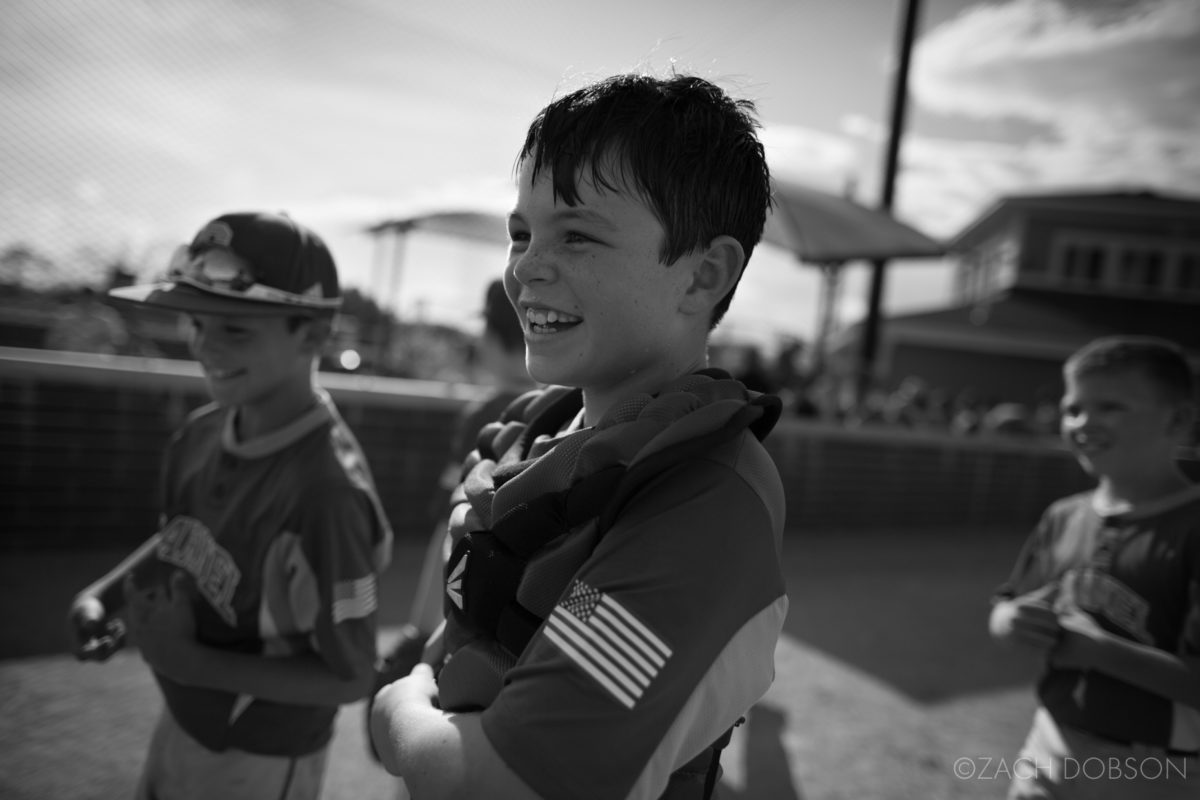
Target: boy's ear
714, 274
1184, 420
316, 331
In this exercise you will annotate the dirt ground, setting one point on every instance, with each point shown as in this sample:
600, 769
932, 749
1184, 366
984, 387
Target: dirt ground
887, 685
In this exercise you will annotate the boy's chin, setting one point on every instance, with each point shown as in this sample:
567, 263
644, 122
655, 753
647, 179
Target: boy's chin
1089, 463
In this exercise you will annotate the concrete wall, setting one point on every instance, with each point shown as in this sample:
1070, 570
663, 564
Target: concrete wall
81, 437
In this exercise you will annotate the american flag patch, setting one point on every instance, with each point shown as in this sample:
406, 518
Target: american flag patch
353, 599
607, 642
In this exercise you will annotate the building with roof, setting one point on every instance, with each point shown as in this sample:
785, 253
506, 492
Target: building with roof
1038, 276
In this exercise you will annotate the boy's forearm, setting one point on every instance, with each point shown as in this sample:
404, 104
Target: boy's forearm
108, 588
1175, 677
298, 680
447, 757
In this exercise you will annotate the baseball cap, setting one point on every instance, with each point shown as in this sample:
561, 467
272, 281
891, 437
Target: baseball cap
245, 263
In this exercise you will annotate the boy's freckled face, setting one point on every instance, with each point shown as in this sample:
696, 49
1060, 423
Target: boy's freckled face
600, 310
248, 360
1117, 423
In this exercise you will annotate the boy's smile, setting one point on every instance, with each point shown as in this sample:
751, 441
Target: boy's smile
549, 321
258, 365
1117, 424
599, 308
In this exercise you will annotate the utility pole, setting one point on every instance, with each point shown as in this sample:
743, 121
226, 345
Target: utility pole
869, 342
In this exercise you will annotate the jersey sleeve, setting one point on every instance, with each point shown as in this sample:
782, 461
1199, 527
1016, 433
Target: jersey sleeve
665, 636
338, 535
1032, 568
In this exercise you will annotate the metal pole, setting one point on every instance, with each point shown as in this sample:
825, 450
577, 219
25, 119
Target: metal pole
869, 342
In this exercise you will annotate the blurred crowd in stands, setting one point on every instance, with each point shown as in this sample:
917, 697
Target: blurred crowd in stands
821, 394
81, 321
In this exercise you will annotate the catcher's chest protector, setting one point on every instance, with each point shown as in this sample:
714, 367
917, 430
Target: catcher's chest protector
485, 567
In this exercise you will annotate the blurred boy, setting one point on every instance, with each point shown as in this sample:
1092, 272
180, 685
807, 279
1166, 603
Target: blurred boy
1107, 589
501, 356
254, 604
615, 592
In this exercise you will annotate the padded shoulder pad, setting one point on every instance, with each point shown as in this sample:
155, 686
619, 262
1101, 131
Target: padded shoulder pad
527, 407
515, 410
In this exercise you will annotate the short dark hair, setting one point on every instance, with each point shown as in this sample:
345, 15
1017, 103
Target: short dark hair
1160, 360
688, 148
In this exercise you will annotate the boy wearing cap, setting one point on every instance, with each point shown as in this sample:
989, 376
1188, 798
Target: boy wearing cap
255, 602
615, 592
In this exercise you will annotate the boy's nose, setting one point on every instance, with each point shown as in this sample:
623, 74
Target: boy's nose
203, 344
533, 266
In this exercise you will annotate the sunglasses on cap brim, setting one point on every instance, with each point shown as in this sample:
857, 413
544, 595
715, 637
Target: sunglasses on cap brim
222, 272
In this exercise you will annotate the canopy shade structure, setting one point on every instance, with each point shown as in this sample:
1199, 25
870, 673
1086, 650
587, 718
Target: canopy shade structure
474, 225
822, 228
827, 231
481, 226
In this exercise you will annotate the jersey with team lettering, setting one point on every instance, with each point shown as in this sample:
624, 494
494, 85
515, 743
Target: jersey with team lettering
283, 537
1137, 573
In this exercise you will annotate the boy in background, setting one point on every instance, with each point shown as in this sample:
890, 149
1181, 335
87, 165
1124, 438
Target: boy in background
1107, 588
255, 602
500, 354
615, 591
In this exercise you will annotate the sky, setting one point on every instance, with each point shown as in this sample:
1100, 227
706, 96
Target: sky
128, 124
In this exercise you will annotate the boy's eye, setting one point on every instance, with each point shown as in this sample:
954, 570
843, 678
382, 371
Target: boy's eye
575, 237
233, 331
518, 239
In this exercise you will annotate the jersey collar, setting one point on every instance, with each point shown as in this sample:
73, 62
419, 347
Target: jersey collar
1128, 511
273, 442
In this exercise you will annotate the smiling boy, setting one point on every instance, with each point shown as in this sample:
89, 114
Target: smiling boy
1107, 589
255, 602
615, 592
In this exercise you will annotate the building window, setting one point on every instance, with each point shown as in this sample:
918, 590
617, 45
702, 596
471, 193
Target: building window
1124, 264
1141, 269
1083, 264
1187, 272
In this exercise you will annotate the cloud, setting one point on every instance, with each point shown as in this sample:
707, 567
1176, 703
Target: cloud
1114, 88
1067, 66
822, 160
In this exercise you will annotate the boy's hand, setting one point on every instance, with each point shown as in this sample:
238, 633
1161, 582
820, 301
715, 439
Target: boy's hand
161, 623
1029, 620
1080, 641
393, 705
93, 636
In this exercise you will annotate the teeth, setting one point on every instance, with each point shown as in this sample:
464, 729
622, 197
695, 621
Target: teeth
538, 316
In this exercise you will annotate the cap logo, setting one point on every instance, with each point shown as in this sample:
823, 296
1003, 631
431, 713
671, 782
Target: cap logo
214, 234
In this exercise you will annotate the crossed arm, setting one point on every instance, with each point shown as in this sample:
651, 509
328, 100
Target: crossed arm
1073, 640
441, 756
159, 621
